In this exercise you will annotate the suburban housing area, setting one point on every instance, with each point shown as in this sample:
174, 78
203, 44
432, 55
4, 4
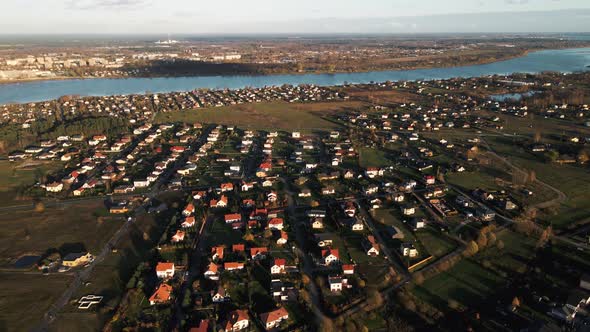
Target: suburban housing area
398, 206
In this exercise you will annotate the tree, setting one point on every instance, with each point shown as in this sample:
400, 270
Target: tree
418, 278
305, 279
532, 177
515, 302
248, 236
39, 207
583, 157
196, 285
552, 155
545, 236
267, 233
491, 238
453, 304
472, 248
500, 244
326, 324
537, 136
374, 299
482, 241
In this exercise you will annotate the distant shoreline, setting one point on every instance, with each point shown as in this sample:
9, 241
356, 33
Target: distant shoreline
466, 63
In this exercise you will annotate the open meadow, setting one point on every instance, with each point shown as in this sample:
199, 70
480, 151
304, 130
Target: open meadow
272, 115
22, 310
66, 228
16, 177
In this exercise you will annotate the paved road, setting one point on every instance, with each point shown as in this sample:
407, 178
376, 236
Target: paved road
308, 265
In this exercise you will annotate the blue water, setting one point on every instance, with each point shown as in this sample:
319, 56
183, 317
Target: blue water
565, 61
26, 261
511, 96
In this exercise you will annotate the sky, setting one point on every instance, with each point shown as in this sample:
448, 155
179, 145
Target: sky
294, 16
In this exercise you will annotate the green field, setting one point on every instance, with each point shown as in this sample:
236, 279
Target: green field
17, 176
371, 157
573, 180
473, 279
275, 115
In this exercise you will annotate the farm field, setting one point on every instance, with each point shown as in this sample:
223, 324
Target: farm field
275, 115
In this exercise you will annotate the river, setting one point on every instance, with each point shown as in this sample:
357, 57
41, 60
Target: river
566, 61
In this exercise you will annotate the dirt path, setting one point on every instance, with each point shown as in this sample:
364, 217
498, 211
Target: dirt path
561, 196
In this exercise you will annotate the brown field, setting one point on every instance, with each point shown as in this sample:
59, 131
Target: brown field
276, 115
24, 298
30, 232
384, 96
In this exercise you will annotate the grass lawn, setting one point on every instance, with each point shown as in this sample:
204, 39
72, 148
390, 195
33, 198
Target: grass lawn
436, 244
370, 157
20, 175
472, 180
223, 234
275, 115
78, 225
573, 180
469, 281
24, 298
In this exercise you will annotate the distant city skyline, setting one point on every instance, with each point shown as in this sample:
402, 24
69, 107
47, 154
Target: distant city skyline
304, 16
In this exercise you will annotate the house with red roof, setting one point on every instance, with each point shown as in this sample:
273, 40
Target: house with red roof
165, 270
231, 266
276, 223
274, 318
188, 222
238, 248
348, 268
199, 195
330, 256
203, 326
221, 203
233, 217
247, 186
265, 166
212, 272
188, 210
225, 187
278, 266
178, 237
283, 239
259, 214
258, 253
177, 149
236, 320
247, 203
162, 295
272, 197
217, 252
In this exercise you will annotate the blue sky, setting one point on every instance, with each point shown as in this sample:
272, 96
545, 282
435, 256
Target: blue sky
299, 16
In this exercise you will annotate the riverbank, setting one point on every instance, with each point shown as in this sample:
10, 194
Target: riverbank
562, 61
482, 61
